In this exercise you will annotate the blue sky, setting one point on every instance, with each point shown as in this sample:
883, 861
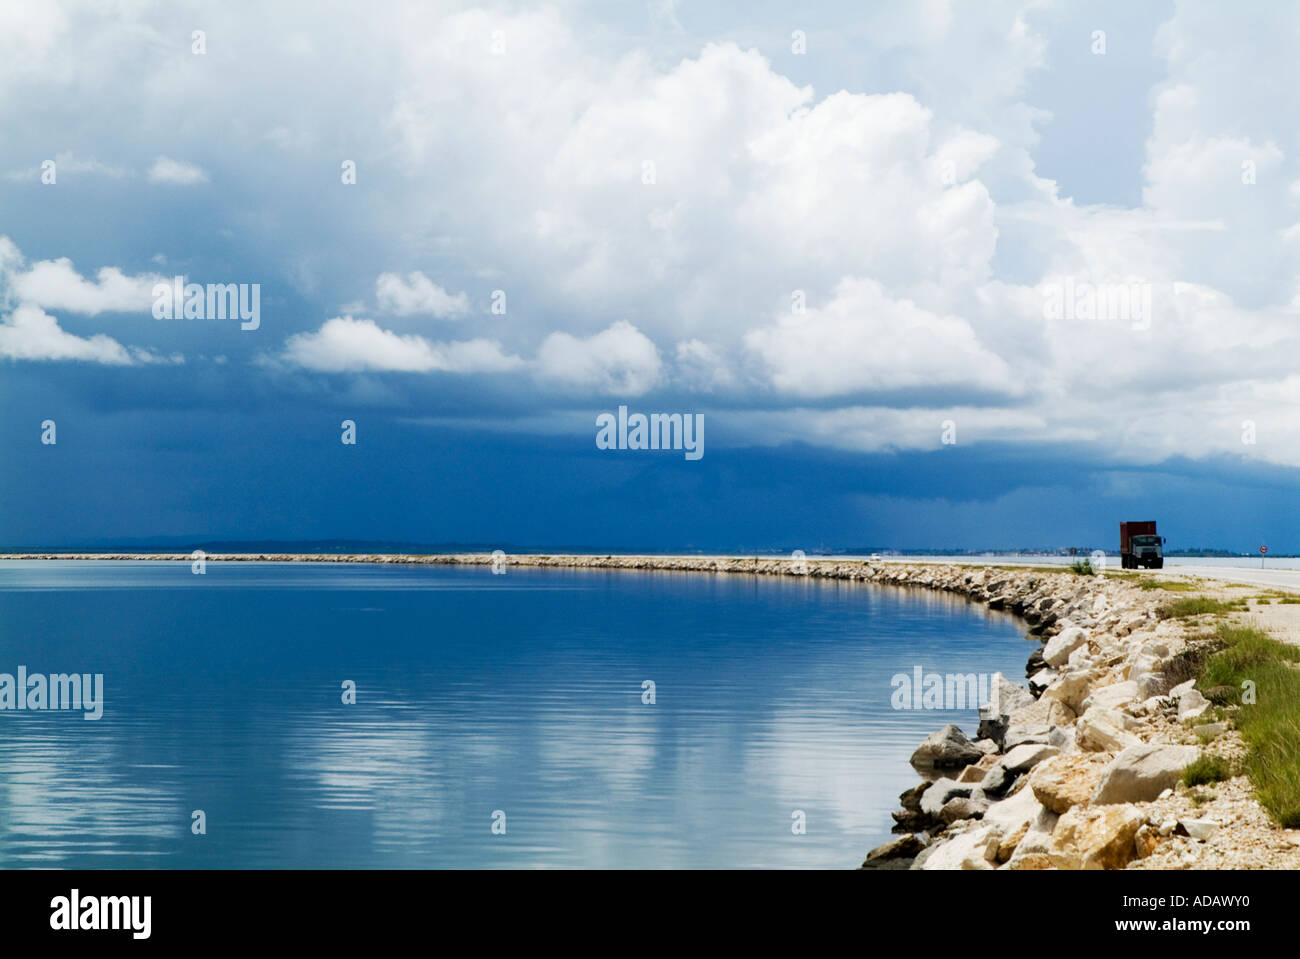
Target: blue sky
832, 230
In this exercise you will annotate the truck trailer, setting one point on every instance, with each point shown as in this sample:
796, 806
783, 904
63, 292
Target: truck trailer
1139, 546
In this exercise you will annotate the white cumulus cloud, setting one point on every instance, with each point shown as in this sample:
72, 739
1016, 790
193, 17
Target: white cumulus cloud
56, 285
864, 340
620, 360
416, 293
29, 333
345, 345
177, 172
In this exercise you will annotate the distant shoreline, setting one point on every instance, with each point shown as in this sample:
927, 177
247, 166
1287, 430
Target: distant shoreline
331, 550
845, 567
513, 559
856, 568
451, 558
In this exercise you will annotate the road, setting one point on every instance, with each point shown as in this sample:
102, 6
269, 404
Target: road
1287, 579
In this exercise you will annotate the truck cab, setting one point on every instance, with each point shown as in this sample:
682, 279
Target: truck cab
1140, 546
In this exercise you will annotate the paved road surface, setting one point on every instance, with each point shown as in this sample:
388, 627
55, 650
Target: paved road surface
1288, 579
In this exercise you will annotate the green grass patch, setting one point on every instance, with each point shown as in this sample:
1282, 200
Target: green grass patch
1271, 724
1170, 585
1082, 567
1245, 648
1207, 769
1199, 606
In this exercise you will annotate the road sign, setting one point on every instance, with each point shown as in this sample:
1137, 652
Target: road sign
1263, 550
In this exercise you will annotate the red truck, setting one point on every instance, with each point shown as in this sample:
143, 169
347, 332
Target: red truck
1140, 546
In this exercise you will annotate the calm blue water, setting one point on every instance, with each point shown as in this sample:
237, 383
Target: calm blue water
475, 693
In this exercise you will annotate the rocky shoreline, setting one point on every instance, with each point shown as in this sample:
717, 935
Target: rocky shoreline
1081, 768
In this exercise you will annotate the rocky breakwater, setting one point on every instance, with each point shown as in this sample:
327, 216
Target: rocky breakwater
1065, 771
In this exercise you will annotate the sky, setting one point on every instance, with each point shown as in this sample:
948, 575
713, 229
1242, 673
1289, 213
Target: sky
930, 274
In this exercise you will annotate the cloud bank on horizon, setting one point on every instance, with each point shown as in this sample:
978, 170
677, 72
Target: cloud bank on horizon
1015, 223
